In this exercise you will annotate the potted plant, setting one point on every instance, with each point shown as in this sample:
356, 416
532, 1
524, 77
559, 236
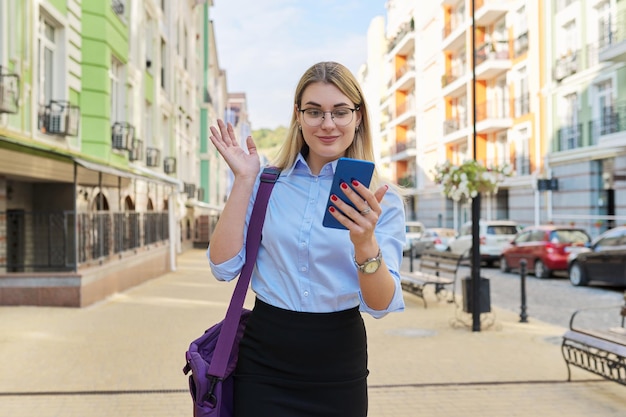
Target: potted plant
469, 179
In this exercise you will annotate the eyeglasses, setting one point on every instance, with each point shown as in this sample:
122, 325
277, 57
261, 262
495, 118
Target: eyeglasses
341, 116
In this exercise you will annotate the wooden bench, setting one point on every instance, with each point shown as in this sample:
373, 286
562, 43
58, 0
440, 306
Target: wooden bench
602, 352
436, 268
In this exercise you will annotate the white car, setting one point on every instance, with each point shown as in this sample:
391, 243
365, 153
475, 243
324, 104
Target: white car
414, 231
494, 236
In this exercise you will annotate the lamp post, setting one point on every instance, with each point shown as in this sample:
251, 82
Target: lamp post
475, 256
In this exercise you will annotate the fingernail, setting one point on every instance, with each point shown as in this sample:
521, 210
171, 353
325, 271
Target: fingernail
332, 209
333, 197
355, 182
344, 185
386, 187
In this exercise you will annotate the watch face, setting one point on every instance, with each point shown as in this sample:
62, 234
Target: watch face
371, 267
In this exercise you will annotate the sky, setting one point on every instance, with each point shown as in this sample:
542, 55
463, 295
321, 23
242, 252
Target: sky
266, 45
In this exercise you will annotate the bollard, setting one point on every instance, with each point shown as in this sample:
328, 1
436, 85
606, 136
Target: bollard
523, 317
412, 256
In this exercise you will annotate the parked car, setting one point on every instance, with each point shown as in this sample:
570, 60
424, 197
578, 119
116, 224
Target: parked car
494, 236
432, 238
545, 249
605, 260
414, 230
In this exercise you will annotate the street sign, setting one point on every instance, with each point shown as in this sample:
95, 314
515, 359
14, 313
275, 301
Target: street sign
548, 184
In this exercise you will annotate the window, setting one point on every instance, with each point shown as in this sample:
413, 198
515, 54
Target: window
603, 11
569, 134
522, 152
116, 78
49, 61
147, 128
163, 63
149, 52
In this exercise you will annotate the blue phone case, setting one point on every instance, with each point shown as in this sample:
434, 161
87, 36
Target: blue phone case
348, 169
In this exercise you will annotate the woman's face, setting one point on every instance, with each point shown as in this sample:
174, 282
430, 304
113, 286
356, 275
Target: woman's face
333, 135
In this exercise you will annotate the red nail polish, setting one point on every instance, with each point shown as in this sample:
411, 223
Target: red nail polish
355, 182
333, 197
332, 209
344, 185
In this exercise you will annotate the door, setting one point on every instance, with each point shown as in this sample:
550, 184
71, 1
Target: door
16, 235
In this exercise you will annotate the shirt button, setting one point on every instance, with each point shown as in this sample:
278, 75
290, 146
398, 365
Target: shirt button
303, 269
306, 293
303, 244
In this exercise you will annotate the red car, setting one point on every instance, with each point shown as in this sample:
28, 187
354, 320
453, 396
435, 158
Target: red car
545, 249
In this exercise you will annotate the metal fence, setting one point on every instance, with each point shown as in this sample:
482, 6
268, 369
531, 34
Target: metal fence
47, 242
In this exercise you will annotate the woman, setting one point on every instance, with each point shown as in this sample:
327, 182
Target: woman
304, 352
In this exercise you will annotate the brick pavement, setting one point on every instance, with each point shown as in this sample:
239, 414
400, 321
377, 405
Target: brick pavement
123, 357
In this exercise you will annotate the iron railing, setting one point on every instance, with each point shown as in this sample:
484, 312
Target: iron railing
46, 241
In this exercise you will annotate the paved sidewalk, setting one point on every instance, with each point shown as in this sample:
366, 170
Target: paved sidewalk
123, 357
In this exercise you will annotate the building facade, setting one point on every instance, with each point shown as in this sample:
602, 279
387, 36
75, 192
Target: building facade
102, 108
512, 86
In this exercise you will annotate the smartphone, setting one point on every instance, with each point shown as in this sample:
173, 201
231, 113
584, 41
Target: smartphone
347, 169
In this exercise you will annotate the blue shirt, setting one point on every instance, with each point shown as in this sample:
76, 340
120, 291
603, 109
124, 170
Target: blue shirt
304, 266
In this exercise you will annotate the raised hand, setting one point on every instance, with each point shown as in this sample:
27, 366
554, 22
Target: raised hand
242, 163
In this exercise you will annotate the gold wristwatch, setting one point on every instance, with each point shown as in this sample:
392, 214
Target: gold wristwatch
370, 265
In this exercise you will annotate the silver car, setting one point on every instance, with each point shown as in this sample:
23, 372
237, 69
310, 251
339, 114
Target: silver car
494, 235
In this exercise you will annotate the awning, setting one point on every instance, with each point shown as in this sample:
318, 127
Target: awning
111, 175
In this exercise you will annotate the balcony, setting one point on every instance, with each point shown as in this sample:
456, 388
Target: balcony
403, 41
404, 78
486, 12
613, 46
59, 118
454, 84
9, 91
570, 137
567, 65
122, 136
492, 59
492, 116
404, 150
520, 45
610, 129
169, 165
454, 33
153, 157
455, 129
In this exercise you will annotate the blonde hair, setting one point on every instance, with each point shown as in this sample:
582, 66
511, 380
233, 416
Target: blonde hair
341, 77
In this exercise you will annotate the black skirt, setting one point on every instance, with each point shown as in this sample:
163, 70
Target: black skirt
295, 364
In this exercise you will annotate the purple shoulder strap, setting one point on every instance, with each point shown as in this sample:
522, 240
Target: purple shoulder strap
226, 338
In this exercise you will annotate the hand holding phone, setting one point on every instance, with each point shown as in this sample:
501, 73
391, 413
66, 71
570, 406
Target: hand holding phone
347, 169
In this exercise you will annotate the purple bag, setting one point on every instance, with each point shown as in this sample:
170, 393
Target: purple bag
212, 357
206, 389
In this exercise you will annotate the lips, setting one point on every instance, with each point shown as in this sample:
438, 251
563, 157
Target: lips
327, 139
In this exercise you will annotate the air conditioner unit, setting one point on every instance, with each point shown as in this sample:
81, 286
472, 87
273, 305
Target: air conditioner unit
118, 7
9, 92
122, 136
169, 165
60, 118
136, 152
153, 155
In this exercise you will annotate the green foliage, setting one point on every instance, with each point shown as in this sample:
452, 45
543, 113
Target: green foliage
269, 141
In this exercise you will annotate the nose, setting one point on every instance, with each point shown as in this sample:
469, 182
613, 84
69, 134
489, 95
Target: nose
327, 120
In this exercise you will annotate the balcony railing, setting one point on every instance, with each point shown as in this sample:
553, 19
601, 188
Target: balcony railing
491, 109
190, 190
570, 137
520, 44
9, 91
48, 241
613, 121
404, 30
567, 65
491, 51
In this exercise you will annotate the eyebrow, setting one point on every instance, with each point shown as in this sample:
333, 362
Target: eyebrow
312, 103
